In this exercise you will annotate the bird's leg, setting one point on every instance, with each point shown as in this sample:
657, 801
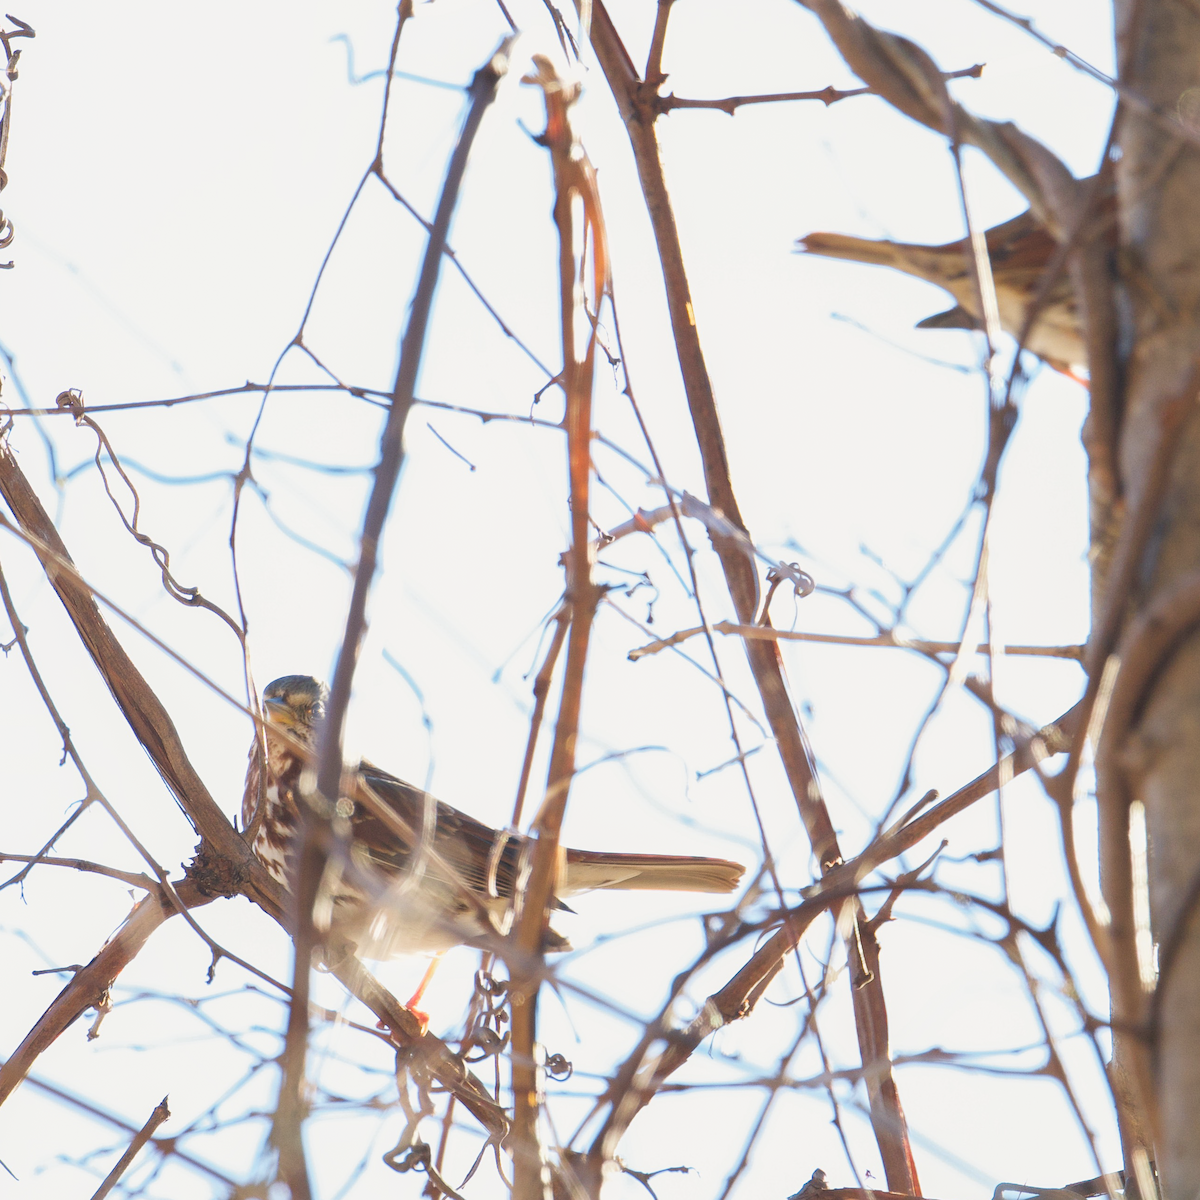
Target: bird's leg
415, 999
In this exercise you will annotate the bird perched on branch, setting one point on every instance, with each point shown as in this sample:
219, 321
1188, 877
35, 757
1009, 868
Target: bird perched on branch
421, 876
1019, 251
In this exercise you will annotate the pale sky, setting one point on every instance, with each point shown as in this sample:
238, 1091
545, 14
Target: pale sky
175, 178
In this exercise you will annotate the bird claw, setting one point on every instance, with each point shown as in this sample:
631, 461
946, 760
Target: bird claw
422, 1019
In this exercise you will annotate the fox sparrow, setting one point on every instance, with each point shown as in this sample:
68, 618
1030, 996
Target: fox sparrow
425, 902
1019, 251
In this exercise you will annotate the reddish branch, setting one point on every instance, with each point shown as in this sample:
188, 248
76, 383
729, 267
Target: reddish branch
541, 692
575, 187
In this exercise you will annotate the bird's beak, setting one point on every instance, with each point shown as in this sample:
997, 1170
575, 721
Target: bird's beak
278, 713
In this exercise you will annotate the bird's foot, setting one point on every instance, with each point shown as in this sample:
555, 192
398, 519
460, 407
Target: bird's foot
422, 1019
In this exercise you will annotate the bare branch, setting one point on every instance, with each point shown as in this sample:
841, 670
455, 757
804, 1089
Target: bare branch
890, 639
88, 986
133, 878
827, 95
224, 865
635, 102
311, 855
157, 1117
575, 186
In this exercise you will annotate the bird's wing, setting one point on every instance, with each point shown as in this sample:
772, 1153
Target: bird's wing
484, 860
487, 861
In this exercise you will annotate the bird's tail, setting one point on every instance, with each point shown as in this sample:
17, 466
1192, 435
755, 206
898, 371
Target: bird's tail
934, 263
587, 869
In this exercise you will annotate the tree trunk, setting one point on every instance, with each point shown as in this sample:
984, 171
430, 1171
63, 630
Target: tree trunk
1158, 179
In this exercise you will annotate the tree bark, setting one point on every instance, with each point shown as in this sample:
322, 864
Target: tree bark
1158, 179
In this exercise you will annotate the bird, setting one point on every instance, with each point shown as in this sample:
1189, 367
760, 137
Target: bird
441, 878
1019, 251
812, 1187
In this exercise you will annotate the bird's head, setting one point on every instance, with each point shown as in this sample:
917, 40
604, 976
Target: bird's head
295, 703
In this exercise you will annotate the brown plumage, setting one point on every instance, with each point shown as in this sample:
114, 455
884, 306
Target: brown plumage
469, 867
1019, 251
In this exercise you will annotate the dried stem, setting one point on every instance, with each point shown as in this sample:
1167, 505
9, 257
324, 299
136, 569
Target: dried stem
889, 639
541, 692
575, 185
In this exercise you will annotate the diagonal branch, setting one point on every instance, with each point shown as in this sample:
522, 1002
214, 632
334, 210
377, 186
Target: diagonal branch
88, 986
842, 883
157, 1117
138, 703
636, 102
224, 865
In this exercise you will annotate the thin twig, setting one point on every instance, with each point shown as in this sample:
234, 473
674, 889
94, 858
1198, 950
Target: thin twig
541, 692
165, 1146
157, 1117
88, 986
889, 639
133, 878
827, 95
